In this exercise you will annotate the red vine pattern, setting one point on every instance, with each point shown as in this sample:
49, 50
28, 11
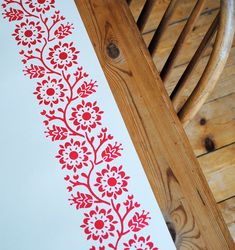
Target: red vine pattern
71, 118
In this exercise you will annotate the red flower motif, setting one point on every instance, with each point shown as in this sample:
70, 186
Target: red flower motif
73, 155
140, 243
40, 6
112, 181
99, 224
50, 91
28, 33
86, 116
63, 55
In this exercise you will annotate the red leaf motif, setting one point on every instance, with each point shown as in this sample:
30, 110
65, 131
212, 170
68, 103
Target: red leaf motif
13, 14
111, 152
57, 133
138, 221
34, 71
87, 89
63, 30
81, 200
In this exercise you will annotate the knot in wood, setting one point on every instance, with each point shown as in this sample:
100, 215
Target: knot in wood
203, 121
209, 144
113, 51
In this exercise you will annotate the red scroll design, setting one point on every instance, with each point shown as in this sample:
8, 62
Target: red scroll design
98, 186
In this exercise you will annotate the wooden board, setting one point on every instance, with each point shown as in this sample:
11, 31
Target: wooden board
228, 211
157, 134
220, 174
214, 126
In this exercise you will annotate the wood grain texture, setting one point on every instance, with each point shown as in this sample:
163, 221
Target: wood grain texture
177, 96
202, 128
170, 36
136, 7
146, 11
182, 11
228, 211
216, 63
188, 27
225, 85
219, 126
160, 141
153, 45
220, 174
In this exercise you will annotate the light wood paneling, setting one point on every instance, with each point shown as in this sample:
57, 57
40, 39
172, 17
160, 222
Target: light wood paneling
228, 211
214, 126
219, 169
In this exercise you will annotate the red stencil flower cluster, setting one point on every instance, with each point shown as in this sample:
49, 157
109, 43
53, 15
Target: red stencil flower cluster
87, 151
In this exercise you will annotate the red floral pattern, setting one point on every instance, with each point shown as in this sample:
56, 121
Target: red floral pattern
63, 90
28, 33
63, 55
99, 224
73, 155
40, 6
139, 221
86, 116
112, 181
50, 91
64, 30
13, 14
140, 243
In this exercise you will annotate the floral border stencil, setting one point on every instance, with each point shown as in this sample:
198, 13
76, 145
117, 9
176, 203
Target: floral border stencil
97, 186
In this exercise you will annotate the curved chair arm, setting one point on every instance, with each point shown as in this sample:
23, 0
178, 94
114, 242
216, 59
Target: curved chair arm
215, 65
